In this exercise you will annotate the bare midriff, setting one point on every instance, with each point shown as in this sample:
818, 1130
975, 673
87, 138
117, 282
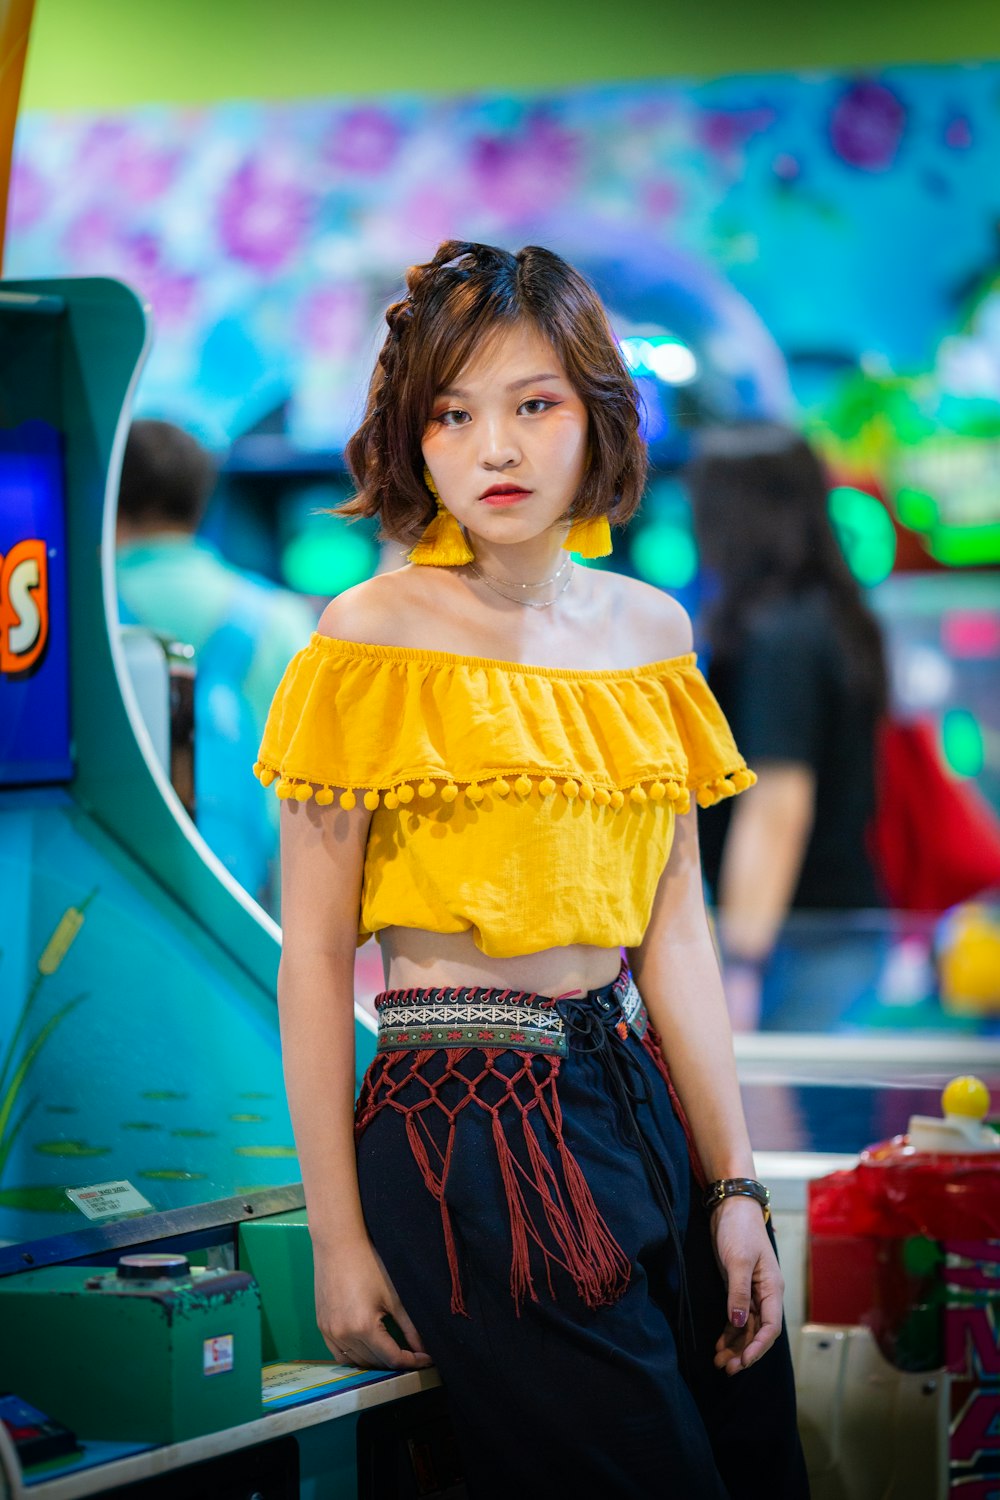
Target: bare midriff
414, 959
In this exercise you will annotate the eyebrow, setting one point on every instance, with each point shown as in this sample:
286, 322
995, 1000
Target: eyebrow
515, 385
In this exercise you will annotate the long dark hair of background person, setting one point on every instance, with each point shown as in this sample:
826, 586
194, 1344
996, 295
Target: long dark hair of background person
761, 518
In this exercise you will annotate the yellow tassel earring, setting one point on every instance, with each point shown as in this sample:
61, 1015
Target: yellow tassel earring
589, 537
442, 543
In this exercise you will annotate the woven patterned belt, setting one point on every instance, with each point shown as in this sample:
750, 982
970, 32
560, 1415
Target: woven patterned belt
517, 1019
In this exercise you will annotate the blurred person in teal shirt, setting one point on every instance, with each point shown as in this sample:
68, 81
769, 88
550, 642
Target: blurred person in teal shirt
243, 629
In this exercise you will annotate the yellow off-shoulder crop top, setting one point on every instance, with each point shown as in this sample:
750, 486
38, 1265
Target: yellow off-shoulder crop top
534, 805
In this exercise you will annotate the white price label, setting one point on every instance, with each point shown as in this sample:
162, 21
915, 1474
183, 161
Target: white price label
106, 1200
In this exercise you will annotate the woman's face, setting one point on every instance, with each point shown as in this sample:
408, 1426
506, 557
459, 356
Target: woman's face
506, 443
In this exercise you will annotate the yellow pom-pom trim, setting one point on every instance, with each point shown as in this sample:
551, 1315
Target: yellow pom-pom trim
680, 797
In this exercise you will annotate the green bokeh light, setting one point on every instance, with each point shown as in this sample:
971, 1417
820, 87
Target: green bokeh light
327, 557
916, 509
664, 553
865, 532
962, 742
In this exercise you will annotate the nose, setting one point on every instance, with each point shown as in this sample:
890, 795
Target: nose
499, 448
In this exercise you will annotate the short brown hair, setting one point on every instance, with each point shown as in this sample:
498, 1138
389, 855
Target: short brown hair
464, 295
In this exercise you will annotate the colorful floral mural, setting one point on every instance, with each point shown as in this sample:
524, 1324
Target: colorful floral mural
854, 214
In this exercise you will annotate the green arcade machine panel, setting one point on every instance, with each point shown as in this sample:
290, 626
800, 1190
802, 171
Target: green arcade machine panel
154, 1249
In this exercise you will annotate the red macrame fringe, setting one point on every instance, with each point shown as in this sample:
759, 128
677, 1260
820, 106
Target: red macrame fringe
588, 1251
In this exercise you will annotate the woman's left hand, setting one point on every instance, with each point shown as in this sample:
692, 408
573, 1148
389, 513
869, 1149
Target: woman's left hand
754, 1284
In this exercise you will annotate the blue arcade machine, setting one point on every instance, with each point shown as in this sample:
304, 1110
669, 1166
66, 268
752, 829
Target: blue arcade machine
145, 1143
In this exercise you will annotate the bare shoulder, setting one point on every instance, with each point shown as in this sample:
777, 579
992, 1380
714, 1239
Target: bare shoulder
655, 622
369, 612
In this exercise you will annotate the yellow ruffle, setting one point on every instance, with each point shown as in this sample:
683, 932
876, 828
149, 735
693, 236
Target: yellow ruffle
397, 725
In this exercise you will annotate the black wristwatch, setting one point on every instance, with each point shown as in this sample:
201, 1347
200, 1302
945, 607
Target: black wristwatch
738, 1187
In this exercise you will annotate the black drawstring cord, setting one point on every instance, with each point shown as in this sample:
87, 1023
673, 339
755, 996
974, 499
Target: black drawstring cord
593, 1030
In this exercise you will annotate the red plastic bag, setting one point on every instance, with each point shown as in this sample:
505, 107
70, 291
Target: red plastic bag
934, 840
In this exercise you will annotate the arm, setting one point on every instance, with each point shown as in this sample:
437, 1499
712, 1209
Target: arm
763, 854
322, 860
677, 973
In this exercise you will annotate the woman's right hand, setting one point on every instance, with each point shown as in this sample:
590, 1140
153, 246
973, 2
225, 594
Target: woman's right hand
353, 1297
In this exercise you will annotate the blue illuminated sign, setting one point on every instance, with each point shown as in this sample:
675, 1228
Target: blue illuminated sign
34, 643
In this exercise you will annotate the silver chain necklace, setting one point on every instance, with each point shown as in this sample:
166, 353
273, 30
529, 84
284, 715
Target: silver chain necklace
512, 583
528, 603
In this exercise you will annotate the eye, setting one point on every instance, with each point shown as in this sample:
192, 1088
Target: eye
535, 405
453, 417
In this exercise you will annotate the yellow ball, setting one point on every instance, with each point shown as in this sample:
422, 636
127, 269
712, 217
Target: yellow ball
966, 1096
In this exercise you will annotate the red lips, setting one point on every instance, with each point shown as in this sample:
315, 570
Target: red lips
504, 494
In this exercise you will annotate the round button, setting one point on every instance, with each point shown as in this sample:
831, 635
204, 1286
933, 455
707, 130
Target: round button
151, 1266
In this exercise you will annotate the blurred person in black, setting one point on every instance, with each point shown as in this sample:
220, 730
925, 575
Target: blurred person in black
796, 661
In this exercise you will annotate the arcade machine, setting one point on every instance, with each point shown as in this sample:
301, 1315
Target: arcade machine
153, 1249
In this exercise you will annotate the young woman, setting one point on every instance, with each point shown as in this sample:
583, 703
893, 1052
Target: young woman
487, 759
797, 664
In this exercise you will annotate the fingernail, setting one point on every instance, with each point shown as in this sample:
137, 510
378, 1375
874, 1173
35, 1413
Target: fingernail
738, 1317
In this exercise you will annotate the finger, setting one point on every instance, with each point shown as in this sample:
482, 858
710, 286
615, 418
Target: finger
768, 1331
406, 1328
732, 1342
385, 1354
738, 1296
731, 1360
